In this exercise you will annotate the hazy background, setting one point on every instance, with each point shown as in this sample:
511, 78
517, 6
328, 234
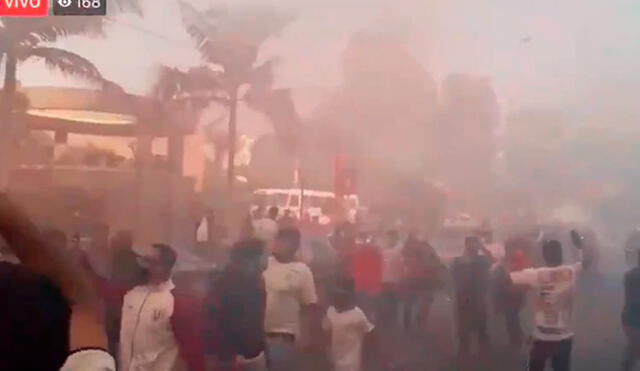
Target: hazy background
566, 78
570, 53
542, 107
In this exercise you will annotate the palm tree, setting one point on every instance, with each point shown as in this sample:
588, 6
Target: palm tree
229, 42
278, 106
25, 39
22, 39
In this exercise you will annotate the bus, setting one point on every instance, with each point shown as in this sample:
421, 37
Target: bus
300, 202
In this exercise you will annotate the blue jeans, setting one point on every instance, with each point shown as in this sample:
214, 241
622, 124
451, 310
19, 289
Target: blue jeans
282, 354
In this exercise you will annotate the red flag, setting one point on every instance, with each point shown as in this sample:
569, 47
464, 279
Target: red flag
344, 177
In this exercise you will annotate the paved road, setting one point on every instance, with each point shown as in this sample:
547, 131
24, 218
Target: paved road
598, 345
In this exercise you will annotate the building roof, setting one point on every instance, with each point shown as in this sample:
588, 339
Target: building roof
108, 113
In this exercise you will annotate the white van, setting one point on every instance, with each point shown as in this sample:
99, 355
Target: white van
310, 201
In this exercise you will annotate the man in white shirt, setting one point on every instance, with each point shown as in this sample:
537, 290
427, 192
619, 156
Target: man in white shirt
290, 292
146, 337
554, 286
267, 228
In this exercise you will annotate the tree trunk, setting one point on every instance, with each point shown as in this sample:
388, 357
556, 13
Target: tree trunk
175, 153
233, 132
10, 77
143, 158
6, 107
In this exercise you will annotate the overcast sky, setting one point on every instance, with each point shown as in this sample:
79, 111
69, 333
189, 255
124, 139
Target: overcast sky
542, 52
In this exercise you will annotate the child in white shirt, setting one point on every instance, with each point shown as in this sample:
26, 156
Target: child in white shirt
348, 326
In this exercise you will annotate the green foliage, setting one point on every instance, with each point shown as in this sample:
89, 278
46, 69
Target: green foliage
229, 42
231, 39
67, 62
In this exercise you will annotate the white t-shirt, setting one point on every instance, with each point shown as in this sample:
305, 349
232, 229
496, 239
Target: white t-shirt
90, 360
265, 229
392, 264
554, 299
348, 330
288, 286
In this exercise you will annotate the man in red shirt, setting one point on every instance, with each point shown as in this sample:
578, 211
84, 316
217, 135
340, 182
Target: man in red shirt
366, 270
423, 275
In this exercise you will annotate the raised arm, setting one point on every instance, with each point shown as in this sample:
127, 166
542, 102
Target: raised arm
86, 328
488, 253
525, 277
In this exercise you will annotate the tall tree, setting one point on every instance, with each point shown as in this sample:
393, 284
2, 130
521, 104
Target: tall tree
278, 106
26, 39
536, 175
175, 87
229, 41
23, 39
468, 119
381, 117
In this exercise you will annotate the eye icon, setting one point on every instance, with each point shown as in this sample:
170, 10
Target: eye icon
64, 3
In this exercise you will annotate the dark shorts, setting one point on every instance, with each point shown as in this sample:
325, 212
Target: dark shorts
558, 353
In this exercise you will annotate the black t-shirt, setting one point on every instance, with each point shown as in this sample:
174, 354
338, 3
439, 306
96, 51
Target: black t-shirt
238, 305
34, 321
505, 294
471, 280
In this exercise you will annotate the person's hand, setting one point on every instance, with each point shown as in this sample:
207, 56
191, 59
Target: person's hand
87, 325
23, 238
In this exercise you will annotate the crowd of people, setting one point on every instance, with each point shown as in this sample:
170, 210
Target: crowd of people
108, 307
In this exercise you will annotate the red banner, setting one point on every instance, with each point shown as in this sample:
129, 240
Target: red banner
344, 177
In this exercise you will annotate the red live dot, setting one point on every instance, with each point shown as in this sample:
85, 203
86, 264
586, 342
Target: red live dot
24, 8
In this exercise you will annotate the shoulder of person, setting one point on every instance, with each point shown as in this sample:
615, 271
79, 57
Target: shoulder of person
135, 290
301, 267
633, 276
272, 263
359, 312
633, 273
499, 269
535, 269
296, 266
268, 223
89, 359
331, 311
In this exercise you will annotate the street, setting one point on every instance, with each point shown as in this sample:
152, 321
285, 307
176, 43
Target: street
598, 345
